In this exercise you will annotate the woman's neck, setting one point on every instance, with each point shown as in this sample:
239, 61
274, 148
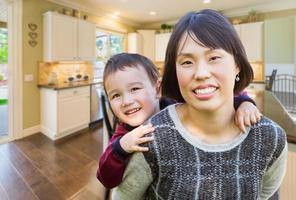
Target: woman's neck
210, 126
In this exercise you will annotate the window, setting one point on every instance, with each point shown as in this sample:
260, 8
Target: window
107, 45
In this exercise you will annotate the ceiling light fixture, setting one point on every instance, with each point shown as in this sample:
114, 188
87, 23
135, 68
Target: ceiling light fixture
152, 13
206, 1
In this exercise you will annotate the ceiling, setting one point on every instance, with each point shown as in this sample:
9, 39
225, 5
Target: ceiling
137, 11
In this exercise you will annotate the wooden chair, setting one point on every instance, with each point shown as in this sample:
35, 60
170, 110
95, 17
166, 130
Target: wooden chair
109, 125
270, 80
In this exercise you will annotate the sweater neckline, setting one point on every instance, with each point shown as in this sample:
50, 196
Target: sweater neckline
195, 141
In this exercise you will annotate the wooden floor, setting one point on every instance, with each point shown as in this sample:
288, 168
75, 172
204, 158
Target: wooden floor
37, 168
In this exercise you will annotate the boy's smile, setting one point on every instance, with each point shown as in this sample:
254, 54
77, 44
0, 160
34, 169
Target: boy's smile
132, 96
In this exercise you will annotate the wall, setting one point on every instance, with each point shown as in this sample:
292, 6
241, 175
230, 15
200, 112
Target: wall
279, 45
32, 13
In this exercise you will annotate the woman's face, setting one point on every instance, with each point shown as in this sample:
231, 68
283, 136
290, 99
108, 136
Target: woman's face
206, 76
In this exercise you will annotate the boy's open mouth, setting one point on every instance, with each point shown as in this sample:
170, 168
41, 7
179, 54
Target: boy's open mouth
132, 111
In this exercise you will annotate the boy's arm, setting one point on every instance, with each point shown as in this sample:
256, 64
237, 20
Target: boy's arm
113, 161
241, 98
246, 112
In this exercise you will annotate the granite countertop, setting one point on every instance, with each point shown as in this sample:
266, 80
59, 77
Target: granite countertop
71, 84
270, 106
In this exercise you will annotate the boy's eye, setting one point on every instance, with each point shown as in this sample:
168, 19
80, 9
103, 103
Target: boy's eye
135, 89
115, 96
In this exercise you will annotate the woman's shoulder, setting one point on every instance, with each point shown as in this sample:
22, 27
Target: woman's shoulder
270, 135
163, 115
267, 126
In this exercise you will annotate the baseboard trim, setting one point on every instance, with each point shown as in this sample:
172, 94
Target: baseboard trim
32, 130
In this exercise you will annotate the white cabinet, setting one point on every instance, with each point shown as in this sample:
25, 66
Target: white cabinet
161, 43
148, 37
64, 111
134, 43
67, 38
251, 35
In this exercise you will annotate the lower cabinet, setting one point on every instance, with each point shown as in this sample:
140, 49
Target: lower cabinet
64, 111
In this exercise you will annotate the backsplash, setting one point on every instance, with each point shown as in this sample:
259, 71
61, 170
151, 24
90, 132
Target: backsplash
58, 73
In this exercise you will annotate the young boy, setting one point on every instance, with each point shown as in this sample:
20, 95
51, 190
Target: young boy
132, 84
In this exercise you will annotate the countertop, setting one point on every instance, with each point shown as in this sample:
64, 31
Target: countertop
271, 107
71, 84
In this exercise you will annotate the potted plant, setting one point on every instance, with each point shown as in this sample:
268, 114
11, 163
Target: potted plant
253, 16
163, 27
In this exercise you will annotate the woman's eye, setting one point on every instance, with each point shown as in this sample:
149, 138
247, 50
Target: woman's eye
187, 62
214, 58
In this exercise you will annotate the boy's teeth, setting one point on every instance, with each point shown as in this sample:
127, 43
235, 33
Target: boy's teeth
132, 111
205, 90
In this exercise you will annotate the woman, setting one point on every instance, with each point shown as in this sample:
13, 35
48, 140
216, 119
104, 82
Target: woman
198, 151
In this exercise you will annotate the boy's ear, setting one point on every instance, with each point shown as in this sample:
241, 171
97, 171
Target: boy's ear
158, 88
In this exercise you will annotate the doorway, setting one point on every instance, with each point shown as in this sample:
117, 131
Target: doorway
4, 102
11, 121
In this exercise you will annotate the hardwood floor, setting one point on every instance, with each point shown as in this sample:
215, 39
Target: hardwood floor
37, 168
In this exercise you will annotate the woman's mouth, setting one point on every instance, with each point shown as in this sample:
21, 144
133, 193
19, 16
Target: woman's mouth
205, 92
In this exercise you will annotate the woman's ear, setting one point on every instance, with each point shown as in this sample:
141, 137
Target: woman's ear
158, 88
237, 70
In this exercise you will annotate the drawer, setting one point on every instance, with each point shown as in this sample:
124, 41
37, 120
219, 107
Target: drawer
72, 92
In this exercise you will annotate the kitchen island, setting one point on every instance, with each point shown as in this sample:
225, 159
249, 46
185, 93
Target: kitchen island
271, 107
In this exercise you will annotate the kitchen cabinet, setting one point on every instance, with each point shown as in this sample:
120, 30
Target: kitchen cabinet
251, 35
161, 43
142, 42
68, 38
134, 41
64, 111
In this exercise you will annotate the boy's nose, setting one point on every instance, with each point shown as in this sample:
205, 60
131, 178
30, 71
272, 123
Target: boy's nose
127, 100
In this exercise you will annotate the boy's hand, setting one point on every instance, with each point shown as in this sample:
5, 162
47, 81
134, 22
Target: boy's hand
247, 114
130, 141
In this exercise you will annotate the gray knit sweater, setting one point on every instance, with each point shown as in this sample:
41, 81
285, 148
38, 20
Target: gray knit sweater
180, 166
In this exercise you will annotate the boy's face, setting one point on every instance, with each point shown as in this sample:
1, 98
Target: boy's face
133, 98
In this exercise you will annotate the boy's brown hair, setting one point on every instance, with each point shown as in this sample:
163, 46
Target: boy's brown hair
123, 60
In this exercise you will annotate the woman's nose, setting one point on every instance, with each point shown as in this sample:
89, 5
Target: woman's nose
202, 70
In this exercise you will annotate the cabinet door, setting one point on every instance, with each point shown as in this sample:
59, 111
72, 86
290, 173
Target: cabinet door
161, 43
148, 37
86, 40
134, 41
73, 112
64, 38
251, 36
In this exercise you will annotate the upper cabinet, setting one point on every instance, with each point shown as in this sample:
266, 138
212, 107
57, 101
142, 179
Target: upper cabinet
134, 41
161, 43
251, 35
67, 38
